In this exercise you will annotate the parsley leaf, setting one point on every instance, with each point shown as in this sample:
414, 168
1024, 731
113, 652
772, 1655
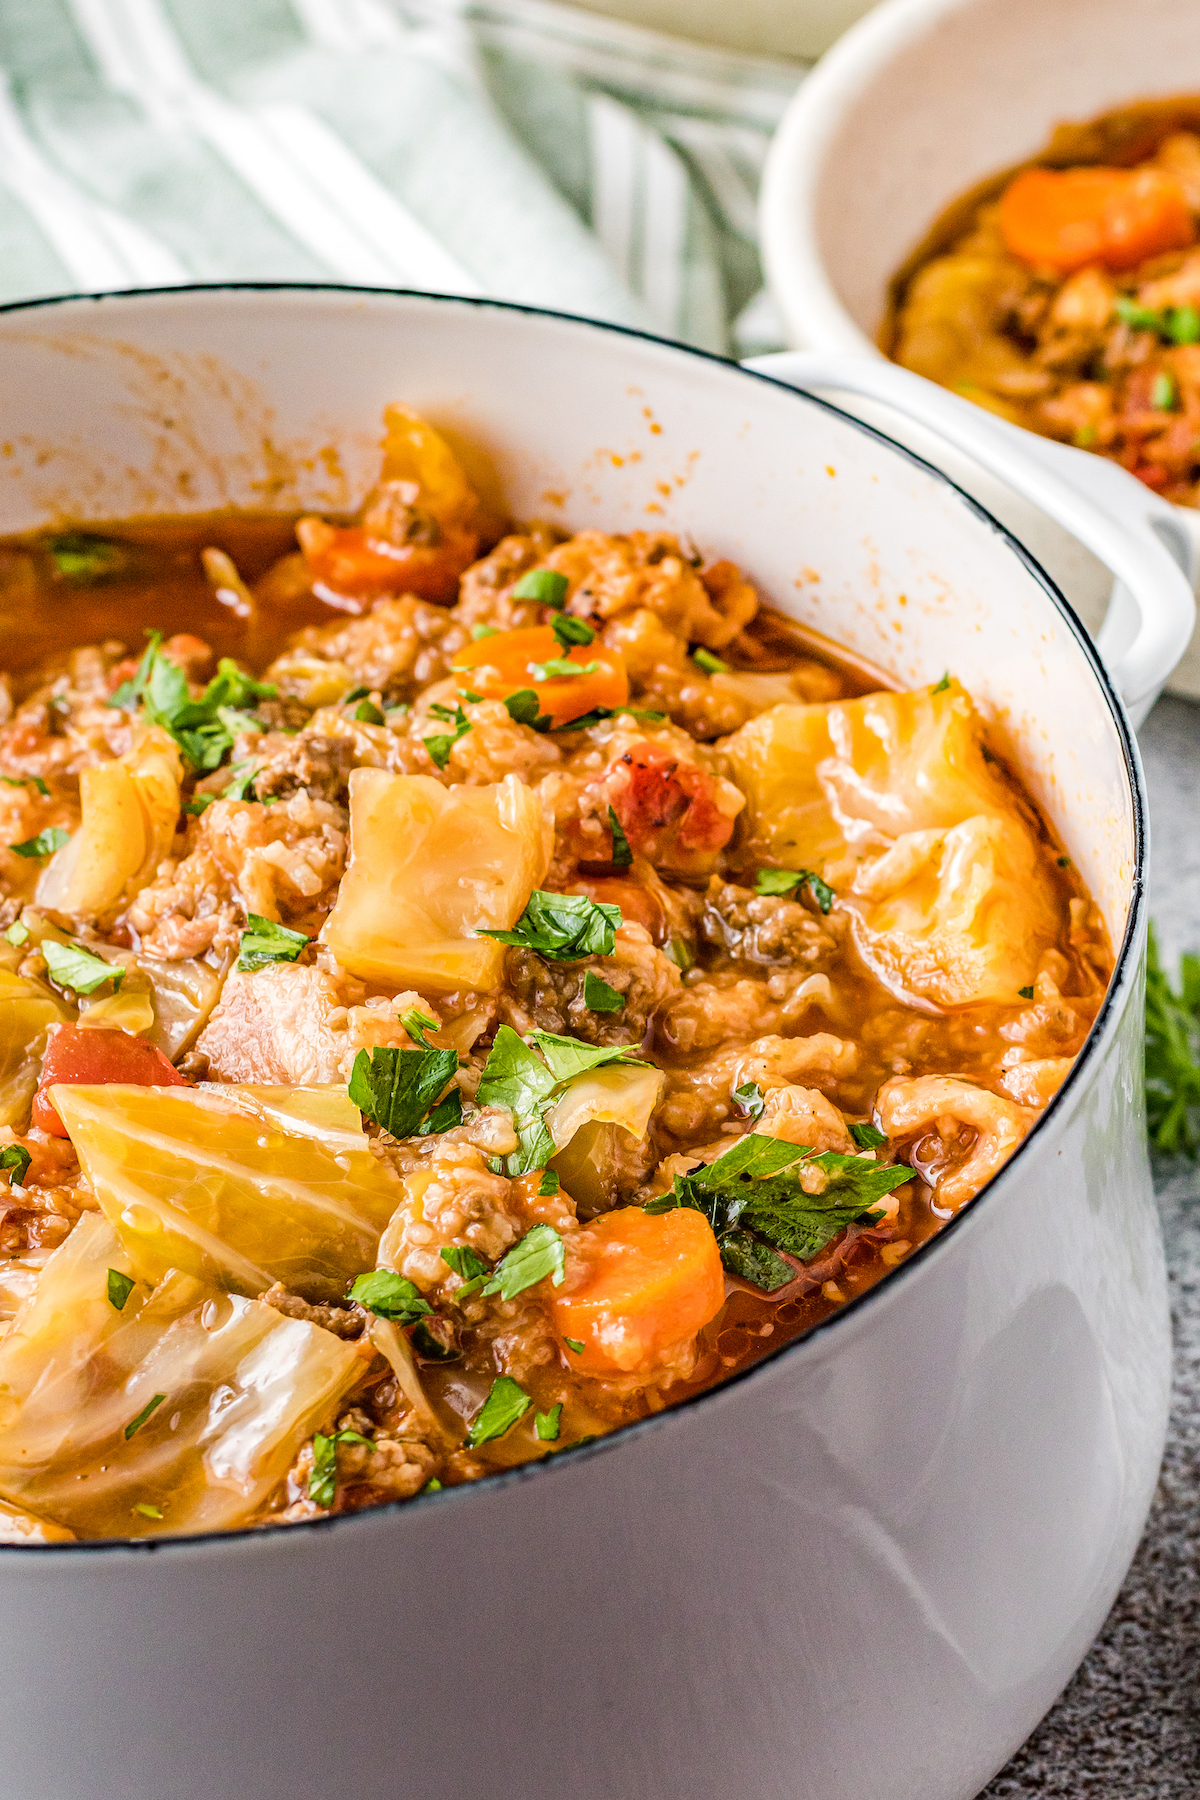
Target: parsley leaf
482, 631
263, 942
549, 1184
442, 743
524, 708
119, 1288
574, 1344
17, 934
787, 881
558, 668
355, 693
546, 586
571, 631
444, 1116
566, 1057
712, 665
18, 1159
504, 1407
942, 686
77, 969
749, 1098
34, 781
81, 556
515, 1077
599, 713
322, 1482
204, 728
599, 997
755, 1187
44, 844
756, 1263
1173, 1054
548, 1424
367, 713
390, 1296
396, 1088
866, 1136
135, 1425
622, 855
563, 927
539, 1253
417, 1023
467, 1264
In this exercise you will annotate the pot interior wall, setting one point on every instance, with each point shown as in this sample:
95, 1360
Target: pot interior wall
978, 87
199, 400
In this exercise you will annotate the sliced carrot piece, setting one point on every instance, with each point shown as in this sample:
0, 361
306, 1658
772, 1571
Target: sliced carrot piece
1065, 218
638, 1284
76, 1054
508, 662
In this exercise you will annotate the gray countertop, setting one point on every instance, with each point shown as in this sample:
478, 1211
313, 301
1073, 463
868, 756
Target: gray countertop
1128, 1726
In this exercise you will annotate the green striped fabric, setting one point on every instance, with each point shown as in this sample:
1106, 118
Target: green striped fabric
514, 148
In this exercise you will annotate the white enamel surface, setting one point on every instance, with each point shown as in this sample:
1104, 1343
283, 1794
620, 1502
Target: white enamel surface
967, 88
866, 1570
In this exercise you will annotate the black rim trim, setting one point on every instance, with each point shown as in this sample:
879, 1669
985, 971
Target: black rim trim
214, 1542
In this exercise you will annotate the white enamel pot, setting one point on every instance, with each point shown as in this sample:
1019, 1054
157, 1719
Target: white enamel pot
867, 1567
918, 102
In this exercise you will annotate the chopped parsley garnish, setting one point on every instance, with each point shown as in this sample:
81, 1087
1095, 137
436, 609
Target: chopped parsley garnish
680, 953
198, 804
1064, 862
574, 1344
754, 1191
866, 1136
523, 1082
549, 1184
749, 1098
1173, 1054
482, 631
16, 1158
263, 942
504, 1407
151, 1405
599, 713
471, 698
205, 728
34, 781
622, 855
44, 844
524, 708
467, 1264
432, 1486
77, 969
417, 1023
390, 1296
119, 1288
82, 556
431, 1346
1163, 394
539, 1253
558, 668
442, 743
1025, 993
242, 785
1174, 324
367, 713
356, 693
397, 1088
147, 1511
444, 1117
545, 586
712, 665
571, 631
322, 1482
599, 997
548, 1424
17, 934
788, 881
941, 686
563, 927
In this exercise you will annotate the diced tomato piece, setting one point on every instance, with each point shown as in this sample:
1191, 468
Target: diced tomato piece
662, 800
84, 1055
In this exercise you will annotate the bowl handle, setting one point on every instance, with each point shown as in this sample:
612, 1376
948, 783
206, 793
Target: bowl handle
1135, 534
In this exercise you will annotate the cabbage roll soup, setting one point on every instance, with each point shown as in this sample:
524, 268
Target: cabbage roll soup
464, 990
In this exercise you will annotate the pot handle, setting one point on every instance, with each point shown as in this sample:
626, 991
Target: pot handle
1134, 532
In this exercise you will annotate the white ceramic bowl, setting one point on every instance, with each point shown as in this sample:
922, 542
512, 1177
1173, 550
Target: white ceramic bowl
866, 1567
918, 102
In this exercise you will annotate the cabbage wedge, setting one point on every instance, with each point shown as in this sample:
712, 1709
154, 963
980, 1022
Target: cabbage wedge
181, 1411
28, 1008
599, 1120
238, 1186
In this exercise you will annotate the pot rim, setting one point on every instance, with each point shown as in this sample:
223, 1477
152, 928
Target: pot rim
1124, 968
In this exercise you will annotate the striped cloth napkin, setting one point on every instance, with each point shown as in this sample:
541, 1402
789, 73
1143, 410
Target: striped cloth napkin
514, 148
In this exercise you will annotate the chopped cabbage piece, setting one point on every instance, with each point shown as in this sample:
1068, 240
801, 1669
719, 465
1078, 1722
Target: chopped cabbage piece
229, 1184
130, 811
27, 1011
586, 1122
429, 867
181, 1412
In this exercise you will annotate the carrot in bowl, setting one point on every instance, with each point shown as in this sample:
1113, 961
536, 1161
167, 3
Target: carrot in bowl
560, 683
638, 1284
1065, 218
